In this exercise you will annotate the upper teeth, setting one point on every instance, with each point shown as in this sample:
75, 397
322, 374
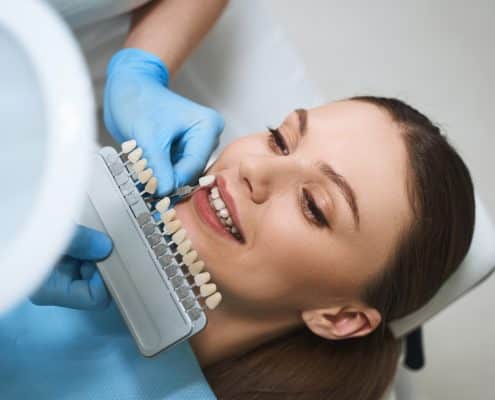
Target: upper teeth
222, 212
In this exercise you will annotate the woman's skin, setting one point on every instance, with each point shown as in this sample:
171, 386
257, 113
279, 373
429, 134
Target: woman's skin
291, 270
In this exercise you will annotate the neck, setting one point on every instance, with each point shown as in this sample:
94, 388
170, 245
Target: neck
229, 333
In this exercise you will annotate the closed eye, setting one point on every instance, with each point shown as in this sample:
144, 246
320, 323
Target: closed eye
312, 210
277, 142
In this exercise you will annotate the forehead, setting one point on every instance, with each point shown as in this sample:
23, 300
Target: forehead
364, 145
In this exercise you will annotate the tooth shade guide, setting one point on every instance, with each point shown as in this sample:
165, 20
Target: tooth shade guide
145, 176
206, 180
213, 301
163, 205
135, 155
179, 236
150, 187
168, 215
139, 166
127, 147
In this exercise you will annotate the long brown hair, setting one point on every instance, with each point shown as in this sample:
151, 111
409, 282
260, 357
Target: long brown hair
303, 366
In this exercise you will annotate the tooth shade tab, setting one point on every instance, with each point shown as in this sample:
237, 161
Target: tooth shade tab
206, 180
202, 278
173, 226
128, 146
179, 236
213, 301
168, 216
196, 267
207, 289
163, 205
190, 257
145, 176
135, 155
151, 186
184, 247
140, 166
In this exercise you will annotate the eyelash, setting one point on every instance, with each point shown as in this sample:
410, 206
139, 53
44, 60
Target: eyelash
277, 143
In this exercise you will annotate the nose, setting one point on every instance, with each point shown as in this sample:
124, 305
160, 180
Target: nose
264, 176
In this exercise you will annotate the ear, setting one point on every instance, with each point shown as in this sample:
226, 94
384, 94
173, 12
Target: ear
340, 322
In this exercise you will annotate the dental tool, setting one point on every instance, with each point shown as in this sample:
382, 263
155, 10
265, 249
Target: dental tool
158, 281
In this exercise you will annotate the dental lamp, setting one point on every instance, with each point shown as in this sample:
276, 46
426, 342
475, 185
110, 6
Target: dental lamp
47, 115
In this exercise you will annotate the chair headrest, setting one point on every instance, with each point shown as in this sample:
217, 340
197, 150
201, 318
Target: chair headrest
478, 264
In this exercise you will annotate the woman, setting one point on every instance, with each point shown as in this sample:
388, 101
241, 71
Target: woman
349, 215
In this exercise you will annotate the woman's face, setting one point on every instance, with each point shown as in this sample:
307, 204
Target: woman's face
320, 205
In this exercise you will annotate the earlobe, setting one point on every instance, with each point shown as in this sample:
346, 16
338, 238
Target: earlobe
341, 322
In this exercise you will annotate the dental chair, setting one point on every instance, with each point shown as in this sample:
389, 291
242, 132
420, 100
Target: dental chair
478, 265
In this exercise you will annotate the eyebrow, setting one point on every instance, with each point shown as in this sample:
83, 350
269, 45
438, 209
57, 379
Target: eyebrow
327, 170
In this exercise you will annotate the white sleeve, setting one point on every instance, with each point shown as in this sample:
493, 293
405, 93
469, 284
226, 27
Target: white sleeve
247, 70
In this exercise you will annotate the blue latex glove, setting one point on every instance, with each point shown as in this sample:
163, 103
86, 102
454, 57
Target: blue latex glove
75, 281
177, 135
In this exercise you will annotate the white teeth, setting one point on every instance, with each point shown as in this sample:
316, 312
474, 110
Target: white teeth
135, 155
173, 226
140, 165
128, 146
163, 205
196, 267
179, 236
202, 278
184, 247
207, 289
215, 194
222, 212
168, 216
218, 204
190, 257
206, 180
145, 176
213, 301
151, 186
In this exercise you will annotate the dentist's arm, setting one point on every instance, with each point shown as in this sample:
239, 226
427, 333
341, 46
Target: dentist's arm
176, 134
171, 29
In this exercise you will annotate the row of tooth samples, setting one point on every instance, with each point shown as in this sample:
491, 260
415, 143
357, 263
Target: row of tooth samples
137, 166
172, 228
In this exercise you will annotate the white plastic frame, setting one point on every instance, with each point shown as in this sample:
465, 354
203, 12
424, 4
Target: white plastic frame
70, 117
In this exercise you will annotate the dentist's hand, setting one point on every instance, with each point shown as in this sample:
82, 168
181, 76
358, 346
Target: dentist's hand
177, 135
75, 281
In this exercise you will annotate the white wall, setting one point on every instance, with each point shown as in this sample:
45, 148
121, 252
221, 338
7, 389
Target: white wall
439, 56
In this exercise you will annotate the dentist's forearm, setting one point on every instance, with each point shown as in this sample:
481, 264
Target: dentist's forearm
171, 29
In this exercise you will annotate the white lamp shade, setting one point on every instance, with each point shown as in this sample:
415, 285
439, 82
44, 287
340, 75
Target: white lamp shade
47, 119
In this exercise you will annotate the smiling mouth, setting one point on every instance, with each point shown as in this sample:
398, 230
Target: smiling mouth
222, 212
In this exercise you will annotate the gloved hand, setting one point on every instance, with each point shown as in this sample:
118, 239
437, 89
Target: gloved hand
177, 135
75, 281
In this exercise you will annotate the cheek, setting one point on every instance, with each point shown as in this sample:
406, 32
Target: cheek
277, 270
235, 151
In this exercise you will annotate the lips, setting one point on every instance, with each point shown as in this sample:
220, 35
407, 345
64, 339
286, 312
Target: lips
230, 204
208, 216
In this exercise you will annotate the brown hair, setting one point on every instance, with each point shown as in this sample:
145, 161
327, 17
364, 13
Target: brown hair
302, 365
